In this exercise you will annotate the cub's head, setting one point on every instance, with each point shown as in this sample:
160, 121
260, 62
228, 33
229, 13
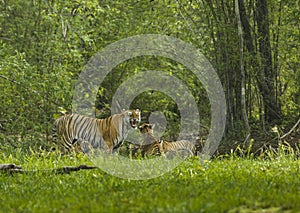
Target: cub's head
146, 128
133, 116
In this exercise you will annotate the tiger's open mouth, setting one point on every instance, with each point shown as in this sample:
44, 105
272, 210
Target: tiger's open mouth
134, 123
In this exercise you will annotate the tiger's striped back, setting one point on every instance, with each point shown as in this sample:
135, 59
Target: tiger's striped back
76, 130
152, 146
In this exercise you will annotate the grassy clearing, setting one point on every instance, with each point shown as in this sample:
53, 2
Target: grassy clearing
228, 184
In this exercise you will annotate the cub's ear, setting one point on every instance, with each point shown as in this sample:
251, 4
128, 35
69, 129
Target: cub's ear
123, 110
152, 126
139, 127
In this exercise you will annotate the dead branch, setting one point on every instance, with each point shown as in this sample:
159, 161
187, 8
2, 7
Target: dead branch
291, 130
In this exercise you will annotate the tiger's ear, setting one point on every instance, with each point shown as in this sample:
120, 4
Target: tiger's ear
152, 126
129, 113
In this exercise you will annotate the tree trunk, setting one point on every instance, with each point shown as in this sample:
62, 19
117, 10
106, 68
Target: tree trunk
243, 81
266, 74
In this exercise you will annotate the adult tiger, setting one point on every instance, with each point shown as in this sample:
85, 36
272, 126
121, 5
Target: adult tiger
152, 146
107, 134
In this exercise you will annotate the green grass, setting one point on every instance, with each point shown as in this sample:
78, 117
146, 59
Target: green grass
228, 184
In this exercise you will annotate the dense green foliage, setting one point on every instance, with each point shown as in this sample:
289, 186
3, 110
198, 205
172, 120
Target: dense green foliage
227, 184
45, 45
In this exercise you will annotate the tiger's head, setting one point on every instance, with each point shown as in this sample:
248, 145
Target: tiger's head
146, 128
133, 116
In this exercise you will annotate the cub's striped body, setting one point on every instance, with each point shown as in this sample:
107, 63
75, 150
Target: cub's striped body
183, 146
152, 146
76, 130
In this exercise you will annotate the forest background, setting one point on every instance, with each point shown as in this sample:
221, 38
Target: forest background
45, 45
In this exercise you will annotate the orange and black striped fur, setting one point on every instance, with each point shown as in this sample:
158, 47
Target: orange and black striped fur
108, 134
152, 146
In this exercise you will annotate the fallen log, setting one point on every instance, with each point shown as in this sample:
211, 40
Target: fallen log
69, 169
9, 166
12, 168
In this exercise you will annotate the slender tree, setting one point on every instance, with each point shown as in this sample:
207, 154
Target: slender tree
243, 84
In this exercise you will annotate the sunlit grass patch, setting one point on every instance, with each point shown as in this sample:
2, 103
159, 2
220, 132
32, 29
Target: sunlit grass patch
227, 183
